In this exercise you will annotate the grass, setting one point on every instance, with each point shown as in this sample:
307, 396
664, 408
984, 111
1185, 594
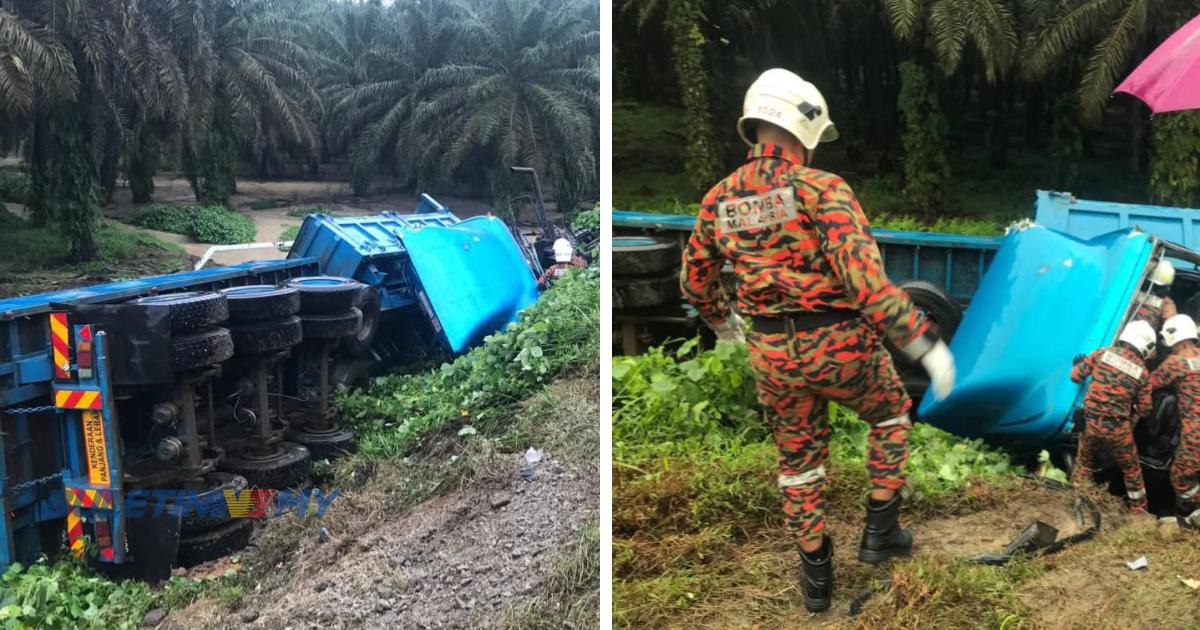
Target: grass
205, 224
34, 259
572, 595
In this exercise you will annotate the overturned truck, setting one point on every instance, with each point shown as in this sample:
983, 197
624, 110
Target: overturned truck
1016, 309
180, 391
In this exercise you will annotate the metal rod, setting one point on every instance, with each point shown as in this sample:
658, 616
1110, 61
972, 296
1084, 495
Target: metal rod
324, 377
212, 414
187, 406
263, 402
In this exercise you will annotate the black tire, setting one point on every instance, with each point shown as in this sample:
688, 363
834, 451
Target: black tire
264, 337
358, 345
323, 295
258, 302
938, 307
206, 546
288, 466
191, 310
217, 483
644, 255
329, 443
200, 349
645, 292
332, 326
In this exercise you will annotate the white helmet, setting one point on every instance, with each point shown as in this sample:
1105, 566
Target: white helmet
1178, 328
1163, 274
782, 98
563, 251
1140, 335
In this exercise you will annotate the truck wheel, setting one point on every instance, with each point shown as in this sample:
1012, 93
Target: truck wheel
644, 255
644, 292
358, 345
332, 326
258, 302
205, 546
269, 336
327, 443
322, 295
191, 310
199, 349
937, 306
216, 483
286, 466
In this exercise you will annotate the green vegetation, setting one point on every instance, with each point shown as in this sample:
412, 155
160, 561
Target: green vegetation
572, 597
267, 204
206, 224
1014, 97
557, 334
290, 233
14, 186
66, 595
409, 93
695, 470
586, 219
925, 166
35, 259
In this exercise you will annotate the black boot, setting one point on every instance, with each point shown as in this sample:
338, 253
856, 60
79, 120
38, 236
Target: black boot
883, 538
818, 576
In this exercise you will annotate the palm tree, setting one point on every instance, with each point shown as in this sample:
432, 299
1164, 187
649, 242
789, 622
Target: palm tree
1118, 32
950, 25
525, 88
251, 91
373, 59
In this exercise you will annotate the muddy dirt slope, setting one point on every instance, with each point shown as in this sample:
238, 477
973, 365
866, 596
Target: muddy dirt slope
460, 560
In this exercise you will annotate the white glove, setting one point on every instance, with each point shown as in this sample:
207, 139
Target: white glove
939, 363
732, 329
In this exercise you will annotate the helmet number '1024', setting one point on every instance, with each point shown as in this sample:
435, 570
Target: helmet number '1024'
770, 112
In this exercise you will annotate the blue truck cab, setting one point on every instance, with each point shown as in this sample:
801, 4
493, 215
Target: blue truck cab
1058, 287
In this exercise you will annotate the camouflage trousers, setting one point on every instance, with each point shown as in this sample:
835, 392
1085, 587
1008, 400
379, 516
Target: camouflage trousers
1115, 436
1185, 470
797, 375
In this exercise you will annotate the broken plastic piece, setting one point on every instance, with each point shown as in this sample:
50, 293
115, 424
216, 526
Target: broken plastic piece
1140, 563
1192, 584
533, 455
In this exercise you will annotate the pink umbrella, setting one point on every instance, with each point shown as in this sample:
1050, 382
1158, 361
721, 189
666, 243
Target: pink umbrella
1169, 79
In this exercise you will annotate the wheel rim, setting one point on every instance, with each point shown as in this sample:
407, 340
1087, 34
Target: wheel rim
250, 290
320, 282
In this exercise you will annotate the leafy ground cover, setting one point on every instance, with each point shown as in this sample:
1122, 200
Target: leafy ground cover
34, 259
699, 540
207, 224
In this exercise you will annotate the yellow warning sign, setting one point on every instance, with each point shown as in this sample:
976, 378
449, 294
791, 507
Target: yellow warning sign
96, 448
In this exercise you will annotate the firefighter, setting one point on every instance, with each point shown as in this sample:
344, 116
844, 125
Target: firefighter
1156, 306
1119, 394
564, 259
812, 284
1181, 370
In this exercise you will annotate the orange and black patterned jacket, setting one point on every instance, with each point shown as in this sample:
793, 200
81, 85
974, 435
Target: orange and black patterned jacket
798, 241
1181, 370
1120, 387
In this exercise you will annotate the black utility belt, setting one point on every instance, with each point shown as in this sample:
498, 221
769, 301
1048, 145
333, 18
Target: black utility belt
801, 321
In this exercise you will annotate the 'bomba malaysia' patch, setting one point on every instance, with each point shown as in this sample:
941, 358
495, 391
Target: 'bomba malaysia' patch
1121, 363
759, 211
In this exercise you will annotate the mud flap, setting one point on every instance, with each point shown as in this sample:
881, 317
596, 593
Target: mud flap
153, 544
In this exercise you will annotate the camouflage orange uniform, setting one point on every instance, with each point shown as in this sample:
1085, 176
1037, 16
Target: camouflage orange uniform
799, 243
558, 270
1118, 394
1181, 370
1155, 310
